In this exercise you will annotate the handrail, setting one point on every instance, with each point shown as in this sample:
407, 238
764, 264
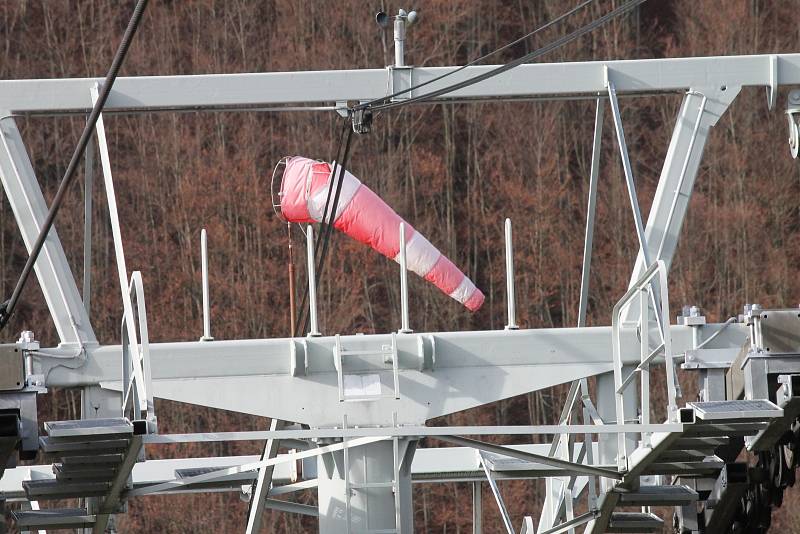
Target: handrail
137, 393
644, 288
137, 390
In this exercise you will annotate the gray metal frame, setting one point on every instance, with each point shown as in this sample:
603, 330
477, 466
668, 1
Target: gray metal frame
431, 374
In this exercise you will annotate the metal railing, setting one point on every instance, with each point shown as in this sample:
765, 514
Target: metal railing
644, 289
137, 393
137, 390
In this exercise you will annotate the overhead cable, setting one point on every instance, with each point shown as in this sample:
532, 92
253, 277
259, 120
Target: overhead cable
7, 307
583, 30
328, 219
480, 59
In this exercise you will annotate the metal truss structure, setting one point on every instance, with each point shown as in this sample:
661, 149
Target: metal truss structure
351, 409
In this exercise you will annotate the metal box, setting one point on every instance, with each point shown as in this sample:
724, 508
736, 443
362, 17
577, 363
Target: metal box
12, 368
778, 331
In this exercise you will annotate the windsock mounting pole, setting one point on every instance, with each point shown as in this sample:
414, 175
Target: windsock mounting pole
206, 298
312, 283
404, 328
510, 298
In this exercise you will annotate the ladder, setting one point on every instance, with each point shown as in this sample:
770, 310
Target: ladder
365, 486
365, 385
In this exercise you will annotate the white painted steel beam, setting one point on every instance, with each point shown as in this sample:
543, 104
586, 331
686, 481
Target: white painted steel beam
216, 91
52, 269
701, 109
256, 376
263, 357
441, 464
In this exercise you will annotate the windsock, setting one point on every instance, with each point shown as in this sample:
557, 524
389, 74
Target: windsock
365, 217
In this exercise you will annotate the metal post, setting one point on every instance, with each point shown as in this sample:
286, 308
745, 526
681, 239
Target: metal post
312, 283
588, 441
359, 490
590, 213
404, 328
510, 293
400, 40
292, 305
583, 303
206, 300
477, 508
626, 167
87, 226
644, 374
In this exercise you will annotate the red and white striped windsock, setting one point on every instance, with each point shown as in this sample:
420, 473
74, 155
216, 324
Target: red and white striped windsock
364, 216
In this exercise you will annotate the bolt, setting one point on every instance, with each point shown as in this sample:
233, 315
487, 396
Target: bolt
26, 337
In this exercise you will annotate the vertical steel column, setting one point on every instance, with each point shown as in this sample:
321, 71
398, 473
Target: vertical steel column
477, 508
206, 297
52, 269
548, 519
87, 226
629, 397
399, 41
607, 410
98, 403
312, 283
583, 304
361, 492
404, 328
510, 291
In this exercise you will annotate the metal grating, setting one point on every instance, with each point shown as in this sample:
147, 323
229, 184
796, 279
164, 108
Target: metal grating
88, 427
740, 410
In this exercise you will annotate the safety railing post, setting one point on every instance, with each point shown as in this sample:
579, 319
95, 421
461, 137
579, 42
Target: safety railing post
644, 377
206, 300
404, 327
510, 296
312, 283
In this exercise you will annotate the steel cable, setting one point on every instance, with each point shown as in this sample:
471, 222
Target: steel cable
7, 307
583, 30
475, 61
327, 220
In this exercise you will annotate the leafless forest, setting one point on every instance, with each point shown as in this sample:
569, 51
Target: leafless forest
454, 171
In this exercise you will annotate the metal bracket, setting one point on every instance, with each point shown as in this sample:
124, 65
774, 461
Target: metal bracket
772, 88
400, 79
